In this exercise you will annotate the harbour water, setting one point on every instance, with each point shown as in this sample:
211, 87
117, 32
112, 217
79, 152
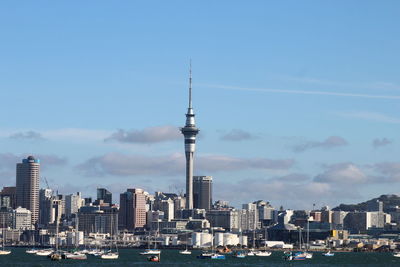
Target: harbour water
131, 257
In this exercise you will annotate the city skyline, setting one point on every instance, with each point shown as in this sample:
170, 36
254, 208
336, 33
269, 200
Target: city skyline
298, 102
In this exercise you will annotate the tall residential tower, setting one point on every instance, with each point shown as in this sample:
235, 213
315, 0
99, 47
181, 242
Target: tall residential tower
189, 131
28, 186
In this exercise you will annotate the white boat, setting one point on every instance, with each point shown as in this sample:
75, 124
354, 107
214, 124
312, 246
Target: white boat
95, 252
251, 252
75, 256
99, 253
5, 252
217, 256
150, 252
396, 254
44, 252
31, 251
84, 251
185, 252
330, 254
263, 253
110, 256
308, 255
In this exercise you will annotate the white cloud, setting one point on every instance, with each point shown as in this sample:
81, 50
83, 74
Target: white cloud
76, 134
330, 142
131, 165
237, 135
8, 161
342, 174
28, 135
148, 135
370, 116
302, 92
379, 142
295, 196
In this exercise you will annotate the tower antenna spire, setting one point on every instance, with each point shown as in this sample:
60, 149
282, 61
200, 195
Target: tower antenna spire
190, 84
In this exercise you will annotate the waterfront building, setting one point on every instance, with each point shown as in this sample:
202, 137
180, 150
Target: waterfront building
132, 211
227, 219
202, 192
28, 176
96, 219
190, 131
21, 219
201, 239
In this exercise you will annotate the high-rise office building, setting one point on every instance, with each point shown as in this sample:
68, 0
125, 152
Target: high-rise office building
104, 195
202, 192
132, 209
28, 186
72, 204
45, 204
189, 131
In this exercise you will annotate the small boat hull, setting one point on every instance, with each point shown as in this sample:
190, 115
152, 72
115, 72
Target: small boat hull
75, 256
263, 253
110, 256
44, 252
150, 252
5, 252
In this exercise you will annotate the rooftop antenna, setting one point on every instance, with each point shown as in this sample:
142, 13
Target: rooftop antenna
190, 84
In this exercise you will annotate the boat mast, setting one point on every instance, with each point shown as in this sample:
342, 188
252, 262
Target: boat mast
308, 232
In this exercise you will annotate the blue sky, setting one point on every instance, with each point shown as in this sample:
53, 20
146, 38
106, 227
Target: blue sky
297, 101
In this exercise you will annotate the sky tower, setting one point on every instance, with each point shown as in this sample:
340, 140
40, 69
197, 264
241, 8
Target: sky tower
189, 131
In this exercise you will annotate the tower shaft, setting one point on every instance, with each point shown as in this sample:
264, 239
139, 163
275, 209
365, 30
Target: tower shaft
189, 132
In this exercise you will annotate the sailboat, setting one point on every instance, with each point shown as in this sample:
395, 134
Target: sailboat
329, 254
153, 251
186, 251
56, 256
2, 251
300, 255
309, 255
76, 254
252, 251
111, 255
264, 253
32, 250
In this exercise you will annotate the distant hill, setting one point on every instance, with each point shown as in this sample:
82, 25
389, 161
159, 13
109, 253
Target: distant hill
389, 201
